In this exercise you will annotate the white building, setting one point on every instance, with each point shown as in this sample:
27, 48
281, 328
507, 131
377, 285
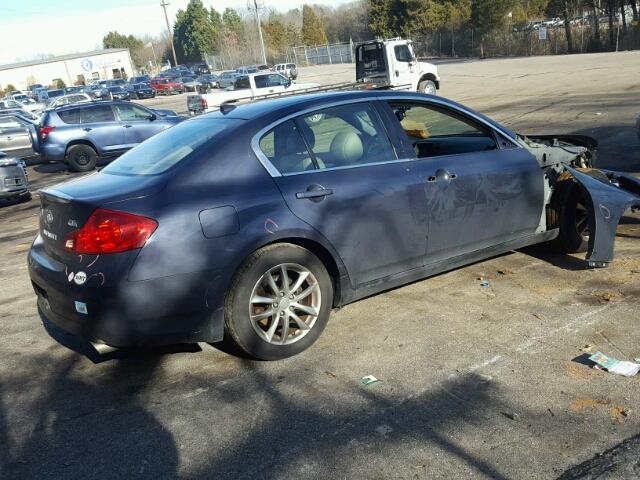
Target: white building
72, 69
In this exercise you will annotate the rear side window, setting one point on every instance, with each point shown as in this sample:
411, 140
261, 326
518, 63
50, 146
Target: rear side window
242, 82
347, 136
71, 116
98, 113
286, 150
261, 81
166, 149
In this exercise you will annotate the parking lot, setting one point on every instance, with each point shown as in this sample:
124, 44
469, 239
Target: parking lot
476, 382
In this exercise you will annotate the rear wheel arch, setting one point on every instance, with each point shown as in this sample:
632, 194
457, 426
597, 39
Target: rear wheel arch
80, 142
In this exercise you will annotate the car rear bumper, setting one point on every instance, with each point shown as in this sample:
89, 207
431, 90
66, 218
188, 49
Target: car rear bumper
52, 151
128, 314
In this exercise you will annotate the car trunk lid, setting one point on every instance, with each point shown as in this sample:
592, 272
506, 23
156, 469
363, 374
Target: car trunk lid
67, 206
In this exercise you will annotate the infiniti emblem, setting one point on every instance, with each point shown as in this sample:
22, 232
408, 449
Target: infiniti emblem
48, 217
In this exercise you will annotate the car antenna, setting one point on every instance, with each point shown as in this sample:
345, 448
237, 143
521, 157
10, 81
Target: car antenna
226, 107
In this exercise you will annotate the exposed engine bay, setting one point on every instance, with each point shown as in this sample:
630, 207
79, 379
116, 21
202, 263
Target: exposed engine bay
568, 162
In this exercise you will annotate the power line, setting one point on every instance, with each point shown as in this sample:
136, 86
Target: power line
164, 6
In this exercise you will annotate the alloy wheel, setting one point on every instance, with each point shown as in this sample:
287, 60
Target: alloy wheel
285, 303
582, 221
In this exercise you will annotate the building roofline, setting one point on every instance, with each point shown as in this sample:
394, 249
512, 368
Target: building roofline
61, 58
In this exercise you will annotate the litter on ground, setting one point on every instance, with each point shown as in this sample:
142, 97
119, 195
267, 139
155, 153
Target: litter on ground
369, 380
613, 365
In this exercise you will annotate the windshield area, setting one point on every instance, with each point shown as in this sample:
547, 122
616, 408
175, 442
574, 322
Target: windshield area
165, 150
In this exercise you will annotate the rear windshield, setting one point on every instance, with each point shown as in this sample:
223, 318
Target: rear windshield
164, 150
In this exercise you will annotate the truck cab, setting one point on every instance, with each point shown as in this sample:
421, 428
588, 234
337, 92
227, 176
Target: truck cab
246, 87
392, 63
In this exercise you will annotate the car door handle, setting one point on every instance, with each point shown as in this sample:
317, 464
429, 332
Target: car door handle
127, 126
443, 175
86, 129
314, 193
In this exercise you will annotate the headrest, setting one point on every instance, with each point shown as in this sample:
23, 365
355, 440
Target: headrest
347, 148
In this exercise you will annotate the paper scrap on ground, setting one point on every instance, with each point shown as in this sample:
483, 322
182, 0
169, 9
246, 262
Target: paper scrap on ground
369, 380
613, 365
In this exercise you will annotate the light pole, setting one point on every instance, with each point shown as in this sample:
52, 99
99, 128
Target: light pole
164, 6
256, 5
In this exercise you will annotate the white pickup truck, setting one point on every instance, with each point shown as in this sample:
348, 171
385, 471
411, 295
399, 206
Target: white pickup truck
246, 87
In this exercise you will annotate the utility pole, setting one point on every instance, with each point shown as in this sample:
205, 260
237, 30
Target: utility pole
253, 5
164, 6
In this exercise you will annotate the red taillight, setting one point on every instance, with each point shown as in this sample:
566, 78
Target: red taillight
109, 231
44, 132
204, 104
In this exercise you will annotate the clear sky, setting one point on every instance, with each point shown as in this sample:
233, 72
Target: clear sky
33, 27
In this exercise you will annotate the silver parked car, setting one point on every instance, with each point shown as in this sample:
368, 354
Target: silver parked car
14, 183
16, 136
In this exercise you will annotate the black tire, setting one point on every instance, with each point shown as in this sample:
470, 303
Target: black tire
572, 211
81, 158
238, 324
427, 86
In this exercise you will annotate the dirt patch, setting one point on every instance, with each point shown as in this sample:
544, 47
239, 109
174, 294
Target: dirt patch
605, 296
618, 414
584, 403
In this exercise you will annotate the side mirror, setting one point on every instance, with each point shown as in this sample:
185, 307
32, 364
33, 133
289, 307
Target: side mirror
152, 117
288, 84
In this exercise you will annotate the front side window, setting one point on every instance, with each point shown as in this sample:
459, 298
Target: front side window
346, 136
403, 54
435, 131
276, 80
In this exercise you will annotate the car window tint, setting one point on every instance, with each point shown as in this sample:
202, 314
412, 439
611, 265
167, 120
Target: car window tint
403, 54
71, 116
131, 112
286, 150
166, 149
346, 136
262, 81
99, 113
276, 80
291, 65
435, 131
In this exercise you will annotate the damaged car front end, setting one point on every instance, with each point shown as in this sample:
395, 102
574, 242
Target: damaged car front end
585, 204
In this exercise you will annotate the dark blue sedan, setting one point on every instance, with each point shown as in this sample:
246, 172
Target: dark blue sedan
255, 221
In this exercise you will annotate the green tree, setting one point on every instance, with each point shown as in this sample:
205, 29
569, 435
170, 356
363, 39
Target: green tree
58, 83
10, 87
232, 22
276, 37
118, 40
194, 34
312, 28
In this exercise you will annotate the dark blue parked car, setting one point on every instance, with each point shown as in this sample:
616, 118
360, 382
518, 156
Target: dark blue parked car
140, 90
119, 92
255, 221
79, 134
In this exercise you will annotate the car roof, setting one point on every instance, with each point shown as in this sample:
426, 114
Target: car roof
90, 104
287, 105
